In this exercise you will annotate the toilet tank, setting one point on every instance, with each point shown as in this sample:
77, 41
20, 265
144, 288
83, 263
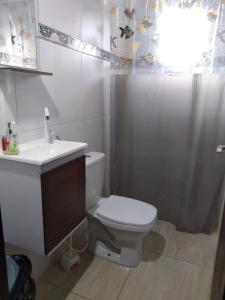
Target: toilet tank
95, 169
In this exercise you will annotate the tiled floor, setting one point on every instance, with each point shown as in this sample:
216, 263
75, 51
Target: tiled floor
176, 266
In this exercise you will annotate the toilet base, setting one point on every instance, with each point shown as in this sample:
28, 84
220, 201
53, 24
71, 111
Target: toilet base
120, 246
129, 256
101, 250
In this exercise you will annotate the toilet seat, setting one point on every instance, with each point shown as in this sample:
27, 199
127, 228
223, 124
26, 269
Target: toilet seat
126, 214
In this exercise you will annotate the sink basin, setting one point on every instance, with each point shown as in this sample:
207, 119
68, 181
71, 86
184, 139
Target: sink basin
39, 153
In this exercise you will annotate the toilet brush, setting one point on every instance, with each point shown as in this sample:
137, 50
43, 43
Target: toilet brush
70, 260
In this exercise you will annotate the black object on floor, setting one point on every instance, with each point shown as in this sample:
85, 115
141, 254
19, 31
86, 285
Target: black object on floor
21, 284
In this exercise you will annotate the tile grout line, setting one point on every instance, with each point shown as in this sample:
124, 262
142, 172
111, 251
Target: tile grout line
179, 259
62, 288
84, 297
123, 285
65, 124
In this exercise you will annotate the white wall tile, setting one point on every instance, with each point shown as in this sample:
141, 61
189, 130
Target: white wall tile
32, 95
62, 93
93, 83
92, 29
68, 86
35, 92
94, 133
46, 56
91, 132
36, 134
65, 16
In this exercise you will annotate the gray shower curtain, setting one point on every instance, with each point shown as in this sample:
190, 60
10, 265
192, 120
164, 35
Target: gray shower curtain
164, 134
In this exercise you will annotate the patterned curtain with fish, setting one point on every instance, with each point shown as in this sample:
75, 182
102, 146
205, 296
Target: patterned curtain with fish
164, 36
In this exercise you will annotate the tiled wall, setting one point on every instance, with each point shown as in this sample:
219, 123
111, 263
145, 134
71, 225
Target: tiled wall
77, 95
74, 94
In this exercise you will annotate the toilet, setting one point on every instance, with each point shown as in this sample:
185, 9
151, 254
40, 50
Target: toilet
117, 225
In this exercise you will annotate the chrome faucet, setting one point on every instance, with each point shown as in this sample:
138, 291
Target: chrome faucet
48, 133
220, 148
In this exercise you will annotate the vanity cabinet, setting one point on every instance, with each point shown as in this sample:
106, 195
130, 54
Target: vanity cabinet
42, 205
63, 200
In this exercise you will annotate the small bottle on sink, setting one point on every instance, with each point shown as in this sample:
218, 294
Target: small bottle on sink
5, 144
10, 142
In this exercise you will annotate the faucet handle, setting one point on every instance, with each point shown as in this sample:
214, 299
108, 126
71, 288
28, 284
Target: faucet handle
51, 136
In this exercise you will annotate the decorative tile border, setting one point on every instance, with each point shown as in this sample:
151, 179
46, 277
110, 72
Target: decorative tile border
60, 38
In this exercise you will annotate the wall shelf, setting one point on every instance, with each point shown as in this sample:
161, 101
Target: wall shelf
32, 72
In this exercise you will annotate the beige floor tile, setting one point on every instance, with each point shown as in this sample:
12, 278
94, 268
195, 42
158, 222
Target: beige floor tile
47, 291
55, 274
194, 248
162, 239
95, 278
164, 278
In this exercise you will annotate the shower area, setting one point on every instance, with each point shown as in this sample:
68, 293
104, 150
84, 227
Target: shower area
168, 107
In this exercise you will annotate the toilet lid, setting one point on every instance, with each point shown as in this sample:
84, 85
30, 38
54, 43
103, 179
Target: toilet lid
127, 211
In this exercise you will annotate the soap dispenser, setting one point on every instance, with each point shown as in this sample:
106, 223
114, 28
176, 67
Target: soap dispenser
10, 145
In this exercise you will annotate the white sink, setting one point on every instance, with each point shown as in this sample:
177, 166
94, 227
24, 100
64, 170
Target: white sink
39, 153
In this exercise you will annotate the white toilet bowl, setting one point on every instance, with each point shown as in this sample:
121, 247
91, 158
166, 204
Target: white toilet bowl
128, 221
117, 225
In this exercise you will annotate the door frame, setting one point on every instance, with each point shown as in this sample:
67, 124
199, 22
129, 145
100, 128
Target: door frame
4, 290
218, 281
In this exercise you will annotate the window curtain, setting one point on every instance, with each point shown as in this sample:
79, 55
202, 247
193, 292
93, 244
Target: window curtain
168, 36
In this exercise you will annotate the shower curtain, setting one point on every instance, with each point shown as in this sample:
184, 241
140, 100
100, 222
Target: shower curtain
165, 129
164, 135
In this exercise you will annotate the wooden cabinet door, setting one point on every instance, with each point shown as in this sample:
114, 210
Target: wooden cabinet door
63, 201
